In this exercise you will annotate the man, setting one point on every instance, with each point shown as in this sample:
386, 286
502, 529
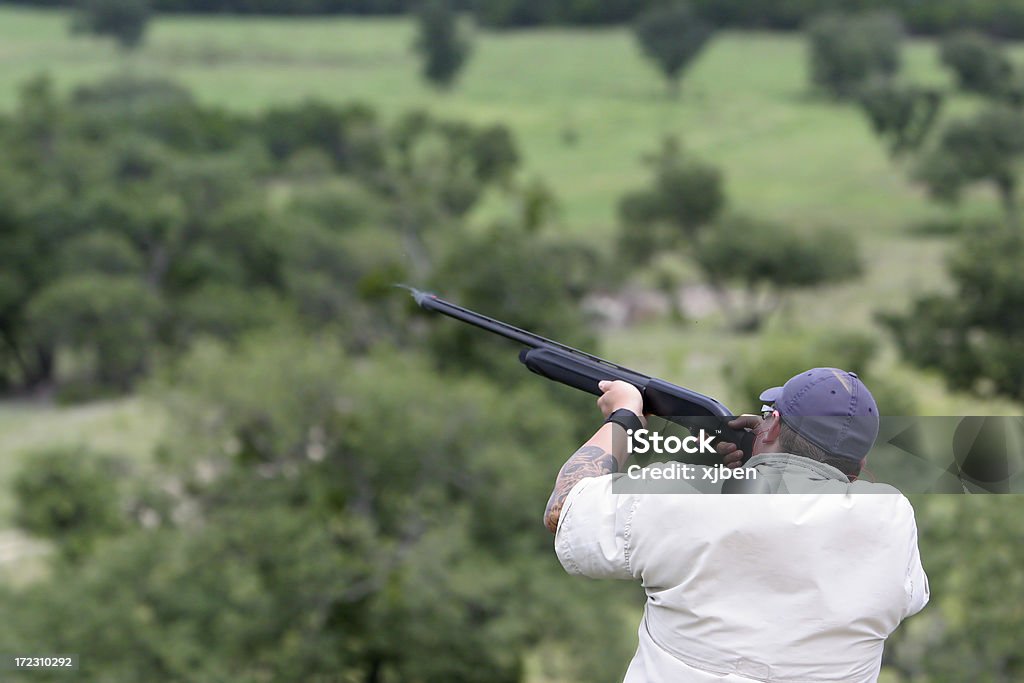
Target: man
801, 586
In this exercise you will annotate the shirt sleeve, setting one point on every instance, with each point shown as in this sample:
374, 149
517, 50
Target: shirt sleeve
593, 537
916, 581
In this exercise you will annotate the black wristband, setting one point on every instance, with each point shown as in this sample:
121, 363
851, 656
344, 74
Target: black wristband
625, 418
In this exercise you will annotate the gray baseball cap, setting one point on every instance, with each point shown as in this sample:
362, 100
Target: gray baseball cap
830, 408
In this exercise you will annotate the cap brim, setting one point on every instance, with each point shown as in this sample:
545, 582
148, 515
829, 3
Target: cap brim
771, 395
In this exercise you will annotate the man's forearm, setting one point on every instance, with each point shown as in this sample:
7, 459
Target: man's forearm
595, 458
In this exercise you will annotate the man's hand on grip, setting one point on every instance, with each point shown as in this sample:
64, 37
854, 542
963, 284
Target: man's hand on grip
618, 394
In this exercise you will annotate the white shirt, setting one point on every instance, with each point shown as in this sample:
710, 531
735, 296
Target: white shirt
786, 587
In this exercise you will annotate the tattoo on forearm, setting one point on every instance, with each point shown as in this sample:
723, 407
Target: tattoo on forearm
588, 461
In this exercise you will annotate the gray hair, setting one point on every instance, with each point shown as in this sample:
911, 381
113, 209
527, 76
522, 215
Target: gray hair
793, 442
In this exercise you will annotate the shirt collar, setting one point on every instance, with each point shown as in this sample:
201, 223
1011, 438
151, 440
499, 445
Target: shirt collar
791, 462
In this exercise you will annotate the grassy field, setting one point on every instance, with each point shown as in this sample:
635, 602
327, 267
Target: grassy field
745, 106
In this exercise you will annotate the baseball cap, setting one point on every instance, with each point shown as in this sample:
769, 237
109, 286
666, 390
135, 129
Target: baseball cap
829, 407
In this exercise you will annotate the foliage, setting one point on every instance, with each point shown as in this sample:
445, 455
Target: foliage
768, 259
1001, 18
966, 631
672, 36
846, 50
347, 135
986, 147
529, 280
979, 63
519, 13
123, 20
443, 48
686, 194
69, 496
112, 318
448, 163
973, 335
137, 221
301, 535
901, 114
780, 356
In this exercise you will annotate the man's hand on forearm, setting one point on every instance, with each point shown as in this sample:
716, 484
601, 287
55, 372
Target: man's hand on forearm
598, 456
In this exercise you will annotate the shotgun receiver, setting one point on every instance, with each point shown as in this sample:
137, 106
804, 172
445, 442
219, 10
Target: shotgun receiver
583, 371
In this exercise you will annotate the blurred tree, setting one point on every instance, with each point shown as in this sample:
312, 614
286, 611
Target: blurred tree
974, 335
345, 134
513, 274
846, 50
686, 194
672, 36
514, 13
769, 259
69, 496
999, 18
902, 115
443, 47
979, 63
435, 173
538, 205
779, 356
986, 147
111, 319
30, 211
305, 534
23, 265
123, 20
968, 630
136, 221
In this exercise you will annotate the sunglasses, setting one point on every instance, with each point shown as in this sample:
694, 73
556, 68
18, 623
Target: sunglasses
768, 411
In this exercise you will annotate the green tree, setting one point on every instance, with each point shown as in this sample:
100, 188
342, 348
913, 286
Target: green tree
30, 215
846, 50
313, 521
974, 335
966, 630
902, 115
987, 147
768, 260
123, 20
979, 63
443, 47
69, 496
506, 272
779, 356
110, 319
685, 195
153, 205
672, 36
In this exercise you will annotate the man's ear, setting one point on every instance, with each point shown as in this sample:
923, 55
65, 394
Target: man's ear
771, 435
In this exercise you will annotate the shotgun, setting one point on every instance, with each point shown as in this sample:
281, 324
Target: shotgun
583, 371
